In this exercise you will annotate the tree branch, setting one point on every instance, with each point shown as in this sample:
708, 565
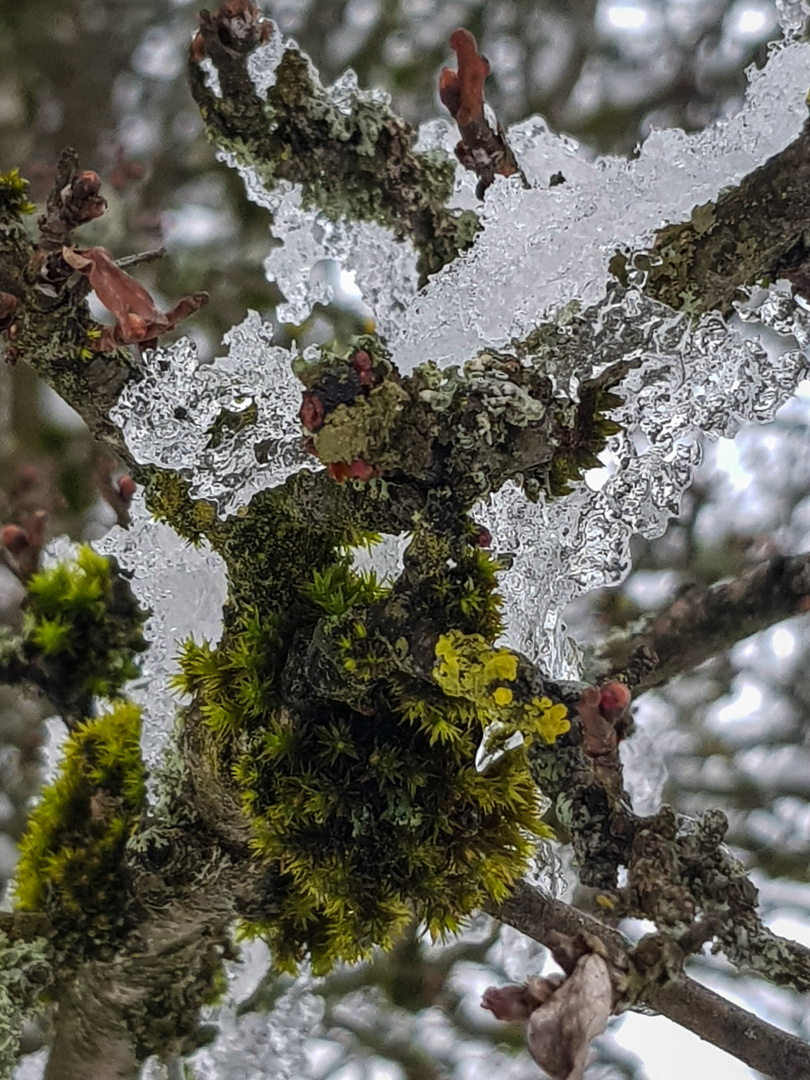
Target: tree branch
758, 1044
355, 163
703, 622
753, 231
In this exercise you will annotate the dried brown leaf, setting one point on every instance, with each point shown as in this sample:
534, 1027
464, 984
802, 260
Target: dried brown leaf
561, 1030
137, 319
563, 1014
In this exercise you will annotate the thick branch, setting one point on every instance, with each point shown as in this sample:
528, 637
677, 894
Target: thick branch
754, 231
703, 622
760, 1045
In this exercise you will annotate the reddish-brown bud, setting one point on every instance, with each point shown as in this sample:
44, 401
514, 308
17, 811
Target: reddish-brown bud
361, 470
126, 488
8, 305
339, 471
363, 365
311, 411
614, 699
14, 539
483, 537
357, 470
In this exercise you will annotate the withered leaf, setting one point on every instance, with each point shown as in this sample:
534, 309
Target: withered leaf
137, 319
563, 1014
560, 1031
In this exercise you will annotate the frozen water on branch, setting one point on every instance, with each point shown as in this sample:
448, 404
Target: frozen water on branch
230, 428
185, 588
384, 269
543, 248
685, 381
255, 1046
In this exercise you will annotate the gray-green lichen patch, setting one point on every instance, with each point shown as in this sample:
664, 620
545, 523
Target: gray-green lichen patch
25, 970
355, 163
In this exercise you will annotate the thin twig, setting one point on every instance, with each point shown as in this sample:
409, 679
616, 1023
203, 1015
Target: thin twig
141, 257
703, 622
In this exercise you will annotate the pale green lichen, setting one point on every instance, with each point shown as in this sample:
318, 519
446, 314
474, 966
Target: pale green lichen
24, 970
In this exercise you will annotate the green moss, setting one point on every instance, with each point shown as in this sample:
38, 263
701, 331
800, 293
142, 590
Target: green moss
167, 497
71, 856
14, 194
83, 620
358, 778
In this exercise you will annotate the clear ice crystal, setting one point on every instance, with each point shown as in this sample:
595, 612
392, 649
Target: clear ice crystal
792, 15
263, 62
384, 269
385, 558
544, 247
253, 1046
685, 381
230, 428
184, 587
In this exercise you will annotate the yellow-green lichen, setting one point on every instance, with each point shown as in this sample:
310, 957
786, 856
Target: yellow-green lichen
468, 667
71, 856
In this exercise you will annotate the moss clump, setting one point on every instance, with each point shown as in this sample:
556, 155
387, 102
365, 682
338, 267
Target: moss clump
14, 194
86, 626
359, 777
71, 857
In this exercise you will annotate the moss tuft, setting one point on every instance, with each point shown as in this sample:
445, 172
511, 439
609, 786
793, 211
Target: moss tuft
84, 622
71, 856
14, 194
359, 778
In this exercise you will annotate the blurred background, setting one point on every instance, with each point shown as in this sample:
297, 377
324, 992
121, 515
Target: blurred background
107, 77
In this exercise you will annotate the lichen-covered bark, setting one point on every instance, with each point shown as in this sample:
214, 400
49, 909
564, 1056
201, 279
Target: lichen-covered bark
359, 166
753, 232
337, 658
